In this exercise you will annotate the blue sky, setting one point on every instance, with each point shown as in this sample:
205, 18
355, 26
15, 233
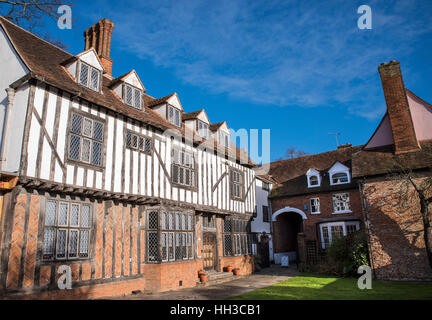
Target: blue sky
300, 68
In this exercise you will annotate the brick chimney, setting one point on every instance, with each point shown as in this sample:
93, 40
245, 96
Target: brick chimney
404, 136
98, 36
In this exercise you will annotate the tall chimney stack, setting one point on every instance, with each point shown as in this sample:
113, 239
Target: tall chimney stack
404, 135
98, 36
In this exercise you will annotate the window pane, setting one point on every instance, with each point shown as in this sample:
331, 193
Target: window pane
74, 147
190, 222
184, 247
85, 216
74, 215
178, 253
171, 246
147, 145
137, 99
141, 144
49, 238
97, 153
61, 244
50, 213
134, 141
190, 245
84, 74
86, 150
175, 174
177, 221
87, 127
164, 221
164, 243
63, 214
76, 123
94, 80
84, 243
98, 131
73, 243
170, 221
128, 139
128, 97
153, 247
177, 118
153, 220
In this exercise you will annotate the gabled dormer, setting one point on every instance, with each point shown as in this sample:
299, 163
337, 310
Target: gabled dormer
86, 69
199, 122
130, 89
221, 133
339, 174
313, 178
169, 107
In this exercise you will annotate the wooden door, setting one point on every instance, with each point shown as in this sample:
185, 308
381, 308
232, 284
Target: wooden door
209, 251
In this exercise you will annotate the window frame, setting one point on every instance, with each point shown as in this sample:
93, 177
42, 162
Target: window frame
239, 234
223, 138
311, 206
168, 107
79, 67
241, 184
139, 136
193, 170
265, 214
206, 126
68, 228
171, 231
343, 224
339, 183
349, 210
134, 90
69, 133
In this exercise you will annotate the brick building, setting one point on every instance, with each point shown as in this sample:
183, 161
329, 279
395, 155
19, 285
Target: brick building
316, 198
394, 224
129, 191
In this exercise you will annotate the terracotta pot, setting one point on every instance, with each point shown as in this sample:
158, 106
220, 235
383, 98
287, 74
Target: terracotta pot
236, 272
229, 269
203, 277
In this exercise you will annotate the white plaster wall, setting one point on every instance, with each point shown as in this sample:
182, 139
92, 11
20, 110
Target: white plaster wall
12, 69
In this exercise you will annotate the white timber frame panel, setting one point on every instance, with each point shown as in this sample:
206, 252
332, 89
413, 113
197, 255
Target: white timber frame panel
124, 170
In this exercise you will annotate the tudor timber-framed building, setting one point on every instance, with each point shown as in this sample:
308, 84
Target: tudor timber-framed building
90, 179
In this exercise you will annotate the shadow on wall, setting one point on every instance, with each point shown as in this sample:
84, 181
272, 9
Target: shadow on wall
397, 242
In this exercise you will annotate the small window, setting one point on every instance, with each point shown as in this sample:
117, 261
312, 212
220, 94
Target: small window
223, 139
85, 140
315, 206
313, 181
333, 230
132, 96
174, 116
203, 129
67, 230
89, 77
265, 212
266, 186
340, 178
138, 142
341, 203
183, 168
236, 184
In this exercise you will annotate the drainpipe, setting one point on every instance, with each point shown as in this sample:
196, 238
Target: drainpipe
367, 224
11, 97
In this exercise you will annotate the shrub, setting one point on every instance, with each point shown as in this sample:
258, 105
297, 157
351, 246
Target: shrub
346, 254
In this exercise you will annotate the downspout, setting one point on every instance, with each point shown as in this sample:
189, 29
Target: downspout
11, 97
367, 225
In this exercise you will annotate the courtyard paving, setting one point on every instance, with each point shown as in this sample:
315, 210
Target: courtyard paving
262, 279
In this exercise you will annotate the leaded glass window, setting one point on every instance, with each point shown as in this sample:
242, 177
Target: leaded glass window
67, 230
89, 77
85, 140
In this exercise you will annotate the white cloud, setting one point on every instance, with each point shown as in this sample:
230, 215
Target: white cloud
273, 53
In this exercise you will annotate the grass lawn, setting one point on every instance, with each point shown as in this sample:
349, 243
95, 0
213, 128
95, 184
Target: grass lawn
317, 287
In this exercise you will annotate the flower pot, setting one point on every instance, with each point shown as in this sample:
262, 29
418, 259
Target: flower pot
236, 272
203, 277
229, 269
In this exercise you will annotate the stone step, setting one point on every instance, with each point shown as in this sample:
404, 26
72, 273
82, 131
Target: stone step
218, 277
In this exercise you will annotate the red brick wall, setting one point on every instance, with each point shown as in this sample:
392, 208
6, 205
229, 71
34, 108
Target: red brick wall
108, 271
398, 248
326, 208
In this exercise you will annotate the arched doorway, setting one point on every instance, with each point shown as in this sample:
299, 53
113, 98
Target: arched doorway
287, 224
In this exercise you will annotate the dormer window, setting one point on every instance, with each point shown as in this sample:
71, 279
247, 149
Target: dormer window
89, 77
203, 129
339, 174
223, 139
313, 178
132, 96
174, 116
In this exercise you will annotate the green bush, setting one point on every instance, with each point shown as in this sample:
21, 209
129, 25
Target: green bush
346, 254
